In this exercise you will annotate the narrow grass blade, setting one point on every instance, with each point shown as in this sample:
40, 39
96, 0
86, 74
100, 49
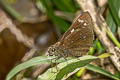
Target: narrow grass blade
27, 64
101, 71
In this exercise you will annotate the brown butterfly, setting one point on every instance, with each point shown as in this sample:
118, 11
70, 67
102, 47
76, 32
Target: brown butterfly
77, 40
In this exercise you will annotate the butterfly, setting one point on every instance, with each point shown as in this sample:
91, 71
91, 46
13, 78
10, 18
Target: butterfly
77, 40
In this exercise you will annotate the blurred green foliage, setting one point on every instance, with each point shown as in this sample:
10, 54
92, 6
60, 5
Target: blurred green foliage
65, 5
62, 24
114, 6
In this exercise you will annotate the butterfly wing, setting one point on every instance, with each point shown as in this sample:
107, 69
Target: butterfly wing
79, 37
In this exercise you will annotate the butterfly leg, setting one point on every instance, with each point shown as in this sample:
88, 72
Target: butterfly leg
52, 65
64, 56
57, 69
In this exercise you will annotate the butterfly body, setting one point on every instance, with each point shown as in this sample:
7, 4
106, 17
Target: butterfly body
58, 50
77, 40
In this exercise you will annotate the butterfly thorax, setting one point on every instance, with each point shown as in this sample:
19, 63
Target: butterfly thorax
57, 50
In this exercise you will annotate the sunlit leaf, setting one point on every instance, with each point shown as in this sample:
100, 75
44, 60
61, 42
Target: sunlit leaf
66, 68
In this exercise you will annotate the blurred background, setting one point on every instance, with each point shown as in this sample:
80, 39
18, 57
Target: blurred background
29, 27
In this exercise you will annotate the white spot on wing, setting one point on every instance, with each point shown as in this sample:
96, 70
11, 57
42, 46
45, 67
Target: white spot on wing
72, 30
85, 24
84, 37
81, 21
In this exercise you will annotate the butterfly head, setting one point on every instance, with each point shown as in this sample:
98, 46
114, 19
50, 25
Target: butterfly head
53, 50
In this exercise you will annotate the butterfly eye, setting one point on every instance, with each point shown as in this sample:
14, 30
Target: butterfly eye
53, 50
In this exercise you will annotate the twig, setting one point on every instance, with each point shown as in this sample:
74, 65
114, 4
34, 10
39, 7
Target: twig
101, 3
29, 54
88, 5
41, 68
6, 22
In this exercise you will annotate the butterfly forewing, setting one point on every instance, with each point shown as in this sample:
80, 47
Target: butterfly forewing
79, 37
77, 40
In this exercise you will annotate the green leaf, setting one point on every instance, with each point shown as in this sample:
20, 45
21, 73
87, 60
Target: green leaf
101, 71
65, 5
99, 48
113, 38
114, 6
79, 73
27, 64
66, 68
104, 55
40, 6
111, 22
96, 46
91, 51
